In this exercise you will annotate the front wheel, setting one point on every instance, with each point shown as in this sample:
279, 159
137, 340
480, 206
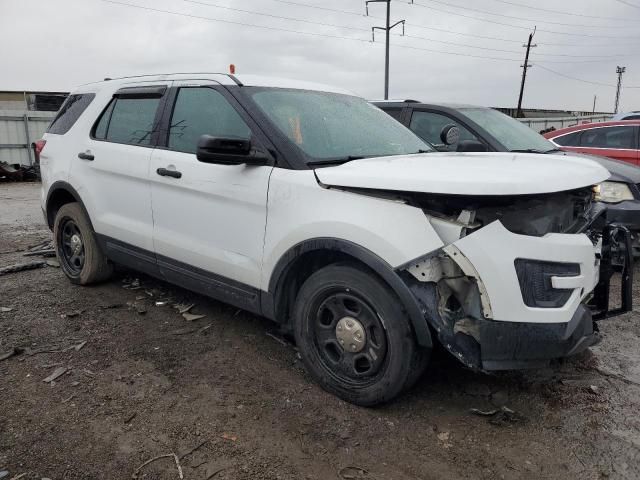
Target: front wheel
354, 336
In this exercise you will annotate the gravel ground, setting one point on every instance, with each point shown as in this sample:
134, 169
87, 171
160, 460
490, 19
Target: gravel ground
229, 397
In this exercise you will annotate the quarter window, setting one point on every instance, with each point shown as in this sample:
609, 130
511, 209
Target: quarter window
203, 111
69, 112
428, 125
608, 137
569, 140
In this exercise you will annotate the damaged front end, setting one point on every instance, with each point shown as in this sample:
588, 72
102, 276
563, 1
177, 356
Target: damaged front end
511, 288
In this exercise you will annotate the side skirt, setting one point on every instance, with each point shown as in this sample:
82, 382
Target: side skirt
183, 275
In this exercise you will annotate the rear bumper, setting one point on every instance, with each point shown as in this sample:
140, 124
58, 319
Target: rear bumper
513, 345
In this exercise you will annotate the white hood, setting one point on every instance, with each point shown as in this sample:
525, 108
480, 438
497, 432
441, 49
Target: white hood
467, 173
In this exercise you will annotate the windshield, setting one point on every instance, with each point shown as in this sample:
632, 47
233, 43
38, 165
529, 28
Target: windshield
513, 134
326, 126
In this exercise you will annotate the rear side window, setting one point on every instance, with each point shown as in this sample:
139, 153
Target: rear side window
69, 112
128, 120
569, 140
608, 137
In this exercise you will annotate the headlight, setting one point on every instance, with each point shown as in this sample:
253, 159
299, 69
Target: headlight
612, 192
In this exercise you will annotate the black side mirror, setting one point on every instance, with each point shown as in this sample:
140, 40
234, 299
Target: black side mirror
450, 134
471, 146
230, 150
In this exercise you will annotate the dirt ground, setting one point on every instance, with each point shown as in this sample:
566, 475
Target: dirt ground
229, 397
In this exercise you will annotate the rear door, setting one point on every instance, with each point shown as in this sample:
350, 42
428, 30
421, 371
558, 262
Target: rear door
113, 168
616, 141
209, 223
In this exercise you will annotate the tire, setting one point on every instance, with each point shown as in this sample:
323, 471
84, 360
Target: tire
79, 254
339, 302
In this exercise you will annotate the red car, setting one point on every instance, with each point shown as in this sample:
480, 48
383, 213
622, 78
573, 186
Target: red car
618, 140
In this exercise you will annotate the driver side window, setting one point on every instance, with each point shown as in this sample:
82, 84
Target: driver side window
428, 125
203, 111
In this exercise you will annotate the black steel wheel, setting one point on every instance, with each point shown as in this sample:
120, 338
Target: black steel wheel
71, 247
354, 337
80, 256
350, 337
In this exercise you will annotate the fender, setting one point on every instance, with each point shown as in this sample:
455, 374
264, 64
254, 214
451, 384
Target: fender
370, 259
62, 185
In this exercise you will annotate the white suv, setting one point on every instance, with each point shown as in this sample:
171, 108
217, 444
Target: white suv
309, 206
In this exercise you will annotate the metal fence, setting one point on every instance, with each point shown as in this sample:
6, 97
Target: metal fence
539, 124
18, 130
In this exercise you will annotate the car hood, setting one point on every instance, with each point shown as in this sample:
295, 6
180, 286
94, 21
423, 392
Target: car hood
466, 173
620, 171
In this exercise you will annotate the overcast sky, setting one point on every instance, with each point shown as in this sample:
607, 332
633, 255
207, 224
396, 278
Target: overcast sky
55, 45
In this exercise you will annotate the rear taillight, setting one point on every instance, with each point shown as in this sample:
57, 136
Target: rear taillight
38, 147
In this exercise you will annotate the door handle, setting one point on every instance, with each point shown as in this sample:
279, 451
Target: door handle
86, 156
165, 172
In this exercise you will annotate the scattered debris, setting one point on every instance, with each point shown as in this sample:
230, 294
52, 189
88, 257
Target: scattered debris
205, 328
18, 476
167, 455
53, 263
20, 267
69, 398
281, 341
226, 436
15, 351
130, 417
79, 346
132, 285
190, 317
161, 303
58, 372
112, 305
182, 308
617, 376
44, 253
74, 314
38, 246
444, 438
3, 474
186, 454
351, 472
500, 416
214, 473
5, 309
593, 389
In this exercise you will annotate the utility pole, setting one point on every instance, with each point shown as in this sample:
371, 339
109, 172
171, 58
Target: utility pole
524, 71
387, 28
619, 71
594, 104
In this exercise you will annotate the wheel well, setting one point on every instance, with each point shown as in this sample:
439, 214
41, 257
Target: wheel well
297, 273
57, 199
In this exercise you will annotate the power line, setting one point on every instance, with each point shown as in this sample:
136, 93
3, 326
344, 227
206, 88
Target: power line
442, 30
624, 2
417, 37
470, 9
519, 26
579, 79
339, 37
573, 14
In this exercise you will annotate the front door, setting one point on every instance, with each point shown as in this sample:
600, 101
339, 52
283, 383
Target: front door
209, 223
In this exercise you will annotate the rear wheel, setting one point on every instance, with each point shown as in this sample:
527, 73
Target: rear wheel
80, 256
354, 337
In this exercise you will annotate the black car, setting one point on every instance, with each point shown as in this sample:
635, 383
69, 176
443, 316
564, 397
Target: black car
486, 129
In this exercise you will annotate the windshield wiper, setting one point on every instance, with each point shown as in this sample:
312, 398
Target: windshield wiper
528, 150
334, 161
423, 151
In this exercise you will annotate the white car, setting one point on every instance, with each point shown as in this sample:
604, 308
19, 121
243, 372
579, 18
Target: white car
307, 205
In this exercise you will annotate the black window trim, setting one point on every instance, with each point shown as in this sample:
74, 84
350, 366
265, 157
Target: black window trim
141, 93
579, 137
262, 141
